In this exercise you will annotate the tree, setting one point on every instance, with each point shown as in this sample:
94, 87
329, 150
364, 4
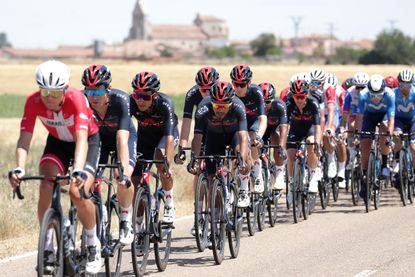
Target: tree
3, 41
346, 55
265, 45
391, 47
222, 52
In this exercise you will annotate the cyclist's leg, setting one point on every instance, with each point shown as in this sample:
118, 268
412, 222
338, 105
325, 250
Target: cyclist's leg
253, 125
243, 198
385, 150
328, 147
279, 162
312, 159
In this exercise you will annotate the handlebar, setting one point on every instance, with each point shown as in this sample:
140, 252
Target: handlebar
17, 191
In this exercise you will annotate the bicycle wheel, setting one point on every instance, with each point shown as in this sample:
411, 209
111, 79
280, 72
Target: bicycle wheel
162, 245
235, 219
141, 225
252, 212
403, 177
355, 181
273, 207
410, 175
370, 180
51, 220
113, 250
217, 222
287, 189
335, 189
201, 212
322, 185
262, 207
305, 205
296, 197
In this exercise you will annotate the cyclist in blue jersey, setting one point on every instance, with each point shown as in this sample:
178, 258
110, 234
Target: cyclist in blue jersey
376, 103
117, 132
251, 96
405, 111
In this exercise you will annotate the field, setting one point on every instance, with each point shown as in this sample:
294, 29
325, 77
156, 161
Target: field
18, 224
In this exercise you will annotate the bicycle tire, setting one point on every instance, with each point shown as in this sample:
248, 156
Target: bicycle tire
287, 189
403, 184
217, 222
162, 246
355, 181
113, 262
273, 208
262, 207
297, 178
141, 245
370, 180
235, 218
201, 223
252, 212
51, 218
335, 189
411, 179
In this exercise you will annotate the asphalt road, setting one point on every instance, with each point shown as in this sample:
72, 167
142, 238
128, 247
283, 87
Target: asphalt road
340, 241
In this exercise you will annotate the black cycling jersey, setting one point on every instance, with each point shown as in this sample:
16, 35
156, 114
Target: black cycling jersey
309, 115
116, 118
277, 114
235, 119
253, 101
160, 120
318, 96
192, 99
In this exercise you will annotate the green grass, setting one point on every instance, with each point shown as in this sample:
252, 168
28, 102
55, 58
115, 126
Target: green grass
13, 105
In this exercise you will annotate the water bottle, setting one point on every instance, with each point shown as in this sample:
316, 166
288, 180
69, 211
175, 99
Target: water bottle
104, 215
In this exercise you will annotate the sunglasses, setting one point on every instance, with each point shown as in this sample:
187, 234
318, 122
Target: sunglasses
240, 85
359, 88
300, 97
51, 92
405, 85
268, 101
145, 97
374, 95
95, 92
316, 83
221, 107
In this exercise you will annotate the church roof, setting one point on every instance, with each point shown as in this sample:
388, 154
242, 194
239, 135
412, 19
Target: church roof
208, 18
179, 32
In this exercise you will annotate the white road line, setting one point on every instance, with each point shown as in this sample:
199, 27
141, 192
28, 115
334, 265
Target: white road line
32, 253
365, 273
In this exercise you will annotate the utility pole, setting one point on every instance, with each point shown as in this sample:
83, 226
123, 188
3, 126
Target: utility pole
296, 20
392, 24
331, 33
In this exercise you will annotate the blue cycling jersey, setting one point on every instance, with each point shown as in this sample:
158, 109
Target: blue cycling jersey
385, 105
405, 107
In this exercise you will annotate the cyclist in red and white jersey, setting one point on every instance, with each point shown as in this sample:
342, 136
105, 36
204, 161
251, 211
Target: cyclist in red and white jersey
73, 134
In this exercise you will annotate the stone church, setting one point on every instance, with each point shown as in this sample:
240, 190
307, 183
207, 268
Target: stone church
206, 31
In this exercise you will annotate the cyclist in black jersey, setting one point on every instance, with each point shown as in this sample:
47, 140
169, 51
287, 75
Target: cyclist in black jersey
251, 96
304, 119
276, 132
222, 119
117, 132
156, 131
205, 78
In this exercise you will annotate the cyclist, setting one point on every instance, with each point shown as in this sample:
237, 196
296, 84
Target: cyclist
405, 111
391, 82
276, 131
221, 118
117, 132
317, 79
286, 92
156, 131
304, 118
73, 134
334, 94
360, 81
376, 103
348, 83
251, 96
205, 78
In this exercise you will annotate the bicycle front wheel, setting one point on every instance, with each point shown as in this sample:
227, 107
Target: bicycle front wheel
141, 225
113, 255
217, 219
403, 177
235, 219
201, 212
370, 180
50, 257
162, 245
296, 197
355, 181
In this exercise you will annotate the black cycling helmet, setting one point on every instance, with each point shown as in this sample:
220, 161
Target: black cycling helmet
96, 75
206, 76
347, 83
146, 81
241, 73
268, 91
299, 87
222, 92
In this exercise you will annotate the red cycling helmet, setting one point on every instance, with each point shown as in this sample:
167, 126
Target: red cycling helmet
268, 91
347, 83
241, 73
222, 92
146, 81
206, 76
391, 81
96, 75
299, 87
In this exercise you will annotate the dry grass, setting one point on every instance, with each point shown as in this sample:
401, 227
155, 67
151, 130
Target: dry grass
18, 220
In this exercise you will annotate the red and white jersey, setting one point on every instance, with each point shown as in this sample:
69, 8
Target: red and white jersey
74, 115
334, 95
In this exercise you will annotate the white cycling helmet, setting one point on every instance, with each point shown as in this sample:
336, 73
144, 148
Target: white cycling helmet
317, 75
361, 79
331, 80
376, 83
52, 75
406, 75
300, 76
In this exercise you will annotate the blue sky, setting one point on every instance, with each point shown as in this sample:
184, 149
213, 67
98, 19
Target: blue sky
49, 23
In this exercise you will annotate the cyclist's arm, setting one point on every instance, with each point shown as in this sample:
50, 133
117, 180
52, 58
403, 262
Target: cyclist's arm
243, 143
262, 125
391, 112
81, 149
23, 145
358, 122
122, 149
196, 143
283, 135
391, 124
185, 131
330, 115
